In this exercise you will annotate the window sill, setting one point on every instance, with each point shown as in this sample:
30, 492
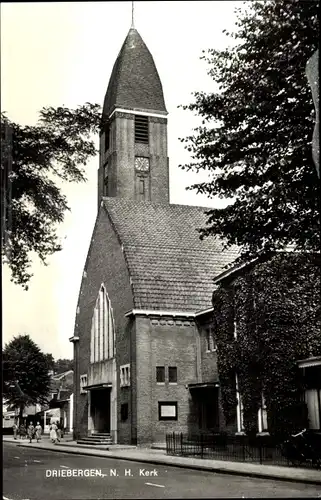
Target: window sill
172, 383
160, 383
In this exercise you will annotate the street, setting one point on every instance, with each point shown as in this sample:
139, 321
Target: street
34, 474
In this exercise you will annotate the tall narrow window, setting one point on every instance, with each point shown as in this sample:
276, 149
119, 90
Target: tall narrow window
125, 375
101, 325
106, 170
96, 318
160, 374
106, 332
239, 409
210, 339
83, 383
142, 186
107, 137
102, 329
235, 329
172, 374
141, 129
124, 412
111, 337
262, 416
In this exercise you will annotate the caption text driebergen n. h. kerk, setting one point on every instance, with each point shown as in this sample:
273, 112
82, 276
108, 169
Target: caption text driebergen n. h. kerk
99, 472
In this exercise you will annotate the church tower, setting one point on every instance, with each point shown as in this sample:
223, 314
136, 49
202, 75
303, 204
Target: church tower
133, 140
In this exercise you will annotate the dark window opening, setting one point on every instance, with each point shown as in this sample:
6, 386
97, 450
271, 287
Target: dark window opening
141, 186
124, 412
141, 129
107, 137
172, 374
106, 186
160, 374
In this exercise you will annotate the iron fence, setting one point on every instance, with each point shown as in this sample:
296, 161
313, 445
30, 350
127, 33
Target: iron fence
260, 450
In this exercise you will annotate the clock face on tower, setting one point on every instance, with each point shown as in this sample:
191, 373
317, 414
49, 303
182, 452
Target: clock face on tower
142, 164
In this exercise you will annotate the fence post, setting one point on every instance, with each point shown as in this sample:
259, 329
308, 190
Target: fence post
260, 450
202, 446
174, 444
181, 443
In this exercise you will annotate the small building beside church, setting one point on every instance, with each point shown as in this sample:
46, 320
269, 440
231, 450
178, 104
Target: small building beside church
144, 347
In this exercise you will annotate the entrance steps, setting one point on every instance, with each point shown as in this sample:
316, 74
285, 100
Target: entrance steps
97, 439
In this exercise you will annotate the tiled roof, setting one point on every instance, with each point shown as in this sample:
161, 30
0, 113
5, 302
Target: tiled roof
134, 82
170, 267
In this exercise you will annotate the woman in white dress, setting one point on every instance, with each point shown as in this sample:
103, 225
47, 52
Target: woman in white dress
38, 430
53, 433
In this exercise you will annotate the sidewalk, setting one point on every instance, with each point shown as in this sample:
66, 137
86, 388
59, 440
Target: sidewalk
159, 457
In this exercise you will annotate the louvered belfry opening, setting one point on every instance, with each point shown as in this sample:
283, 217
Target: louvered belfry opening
141, 129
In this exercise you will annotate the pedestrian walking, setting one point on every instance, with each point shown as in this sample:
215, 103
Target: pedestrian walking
53, 432
15, 430
38, 430
58, 432
31, 432
22, 431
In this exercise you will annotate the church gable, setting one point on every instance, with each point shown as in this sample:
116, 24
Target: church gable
105, 287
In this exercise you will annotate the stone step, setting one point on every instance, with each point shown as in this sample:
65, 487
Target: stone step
94, 442
94, 436
97, 439
103, 434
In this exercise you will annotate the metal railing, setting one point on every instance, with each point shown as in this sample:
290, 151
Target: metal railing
260, 450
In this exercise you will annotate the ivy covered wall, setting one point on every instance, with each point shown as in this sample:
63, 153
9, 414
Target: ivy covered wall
275, 305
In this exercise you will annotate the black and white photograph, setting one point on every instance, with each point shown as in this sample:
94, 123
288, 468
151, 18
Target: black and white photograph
160, 243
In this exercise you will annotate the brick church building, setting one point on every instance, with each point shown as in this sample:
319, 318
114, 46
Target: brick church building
144, 350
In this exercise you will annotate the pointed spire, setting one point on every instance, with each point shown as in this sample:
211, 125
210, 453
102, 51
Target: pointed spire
132, 26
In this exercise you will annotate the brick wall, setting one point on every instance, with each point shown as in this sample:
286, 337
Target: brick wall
209, 368
121, 155
164, 342
105, 264
126, 355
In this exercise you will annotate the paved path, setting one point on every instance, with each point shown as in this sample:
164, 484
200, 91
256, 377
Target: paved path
31, 473
158, 457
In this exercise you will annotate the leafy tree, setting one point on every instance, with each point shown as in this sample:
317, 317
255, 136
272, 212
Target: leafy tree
256, 131
54, 150
25, 374
50, 362
63, 365
275, 304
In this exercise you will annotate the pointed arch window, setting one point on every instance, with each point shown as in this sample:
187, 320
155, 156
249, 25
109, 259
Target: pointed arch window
102, 344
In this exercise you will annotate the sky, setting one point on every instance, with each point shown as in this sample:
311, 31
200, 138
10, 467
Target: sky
55, 54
